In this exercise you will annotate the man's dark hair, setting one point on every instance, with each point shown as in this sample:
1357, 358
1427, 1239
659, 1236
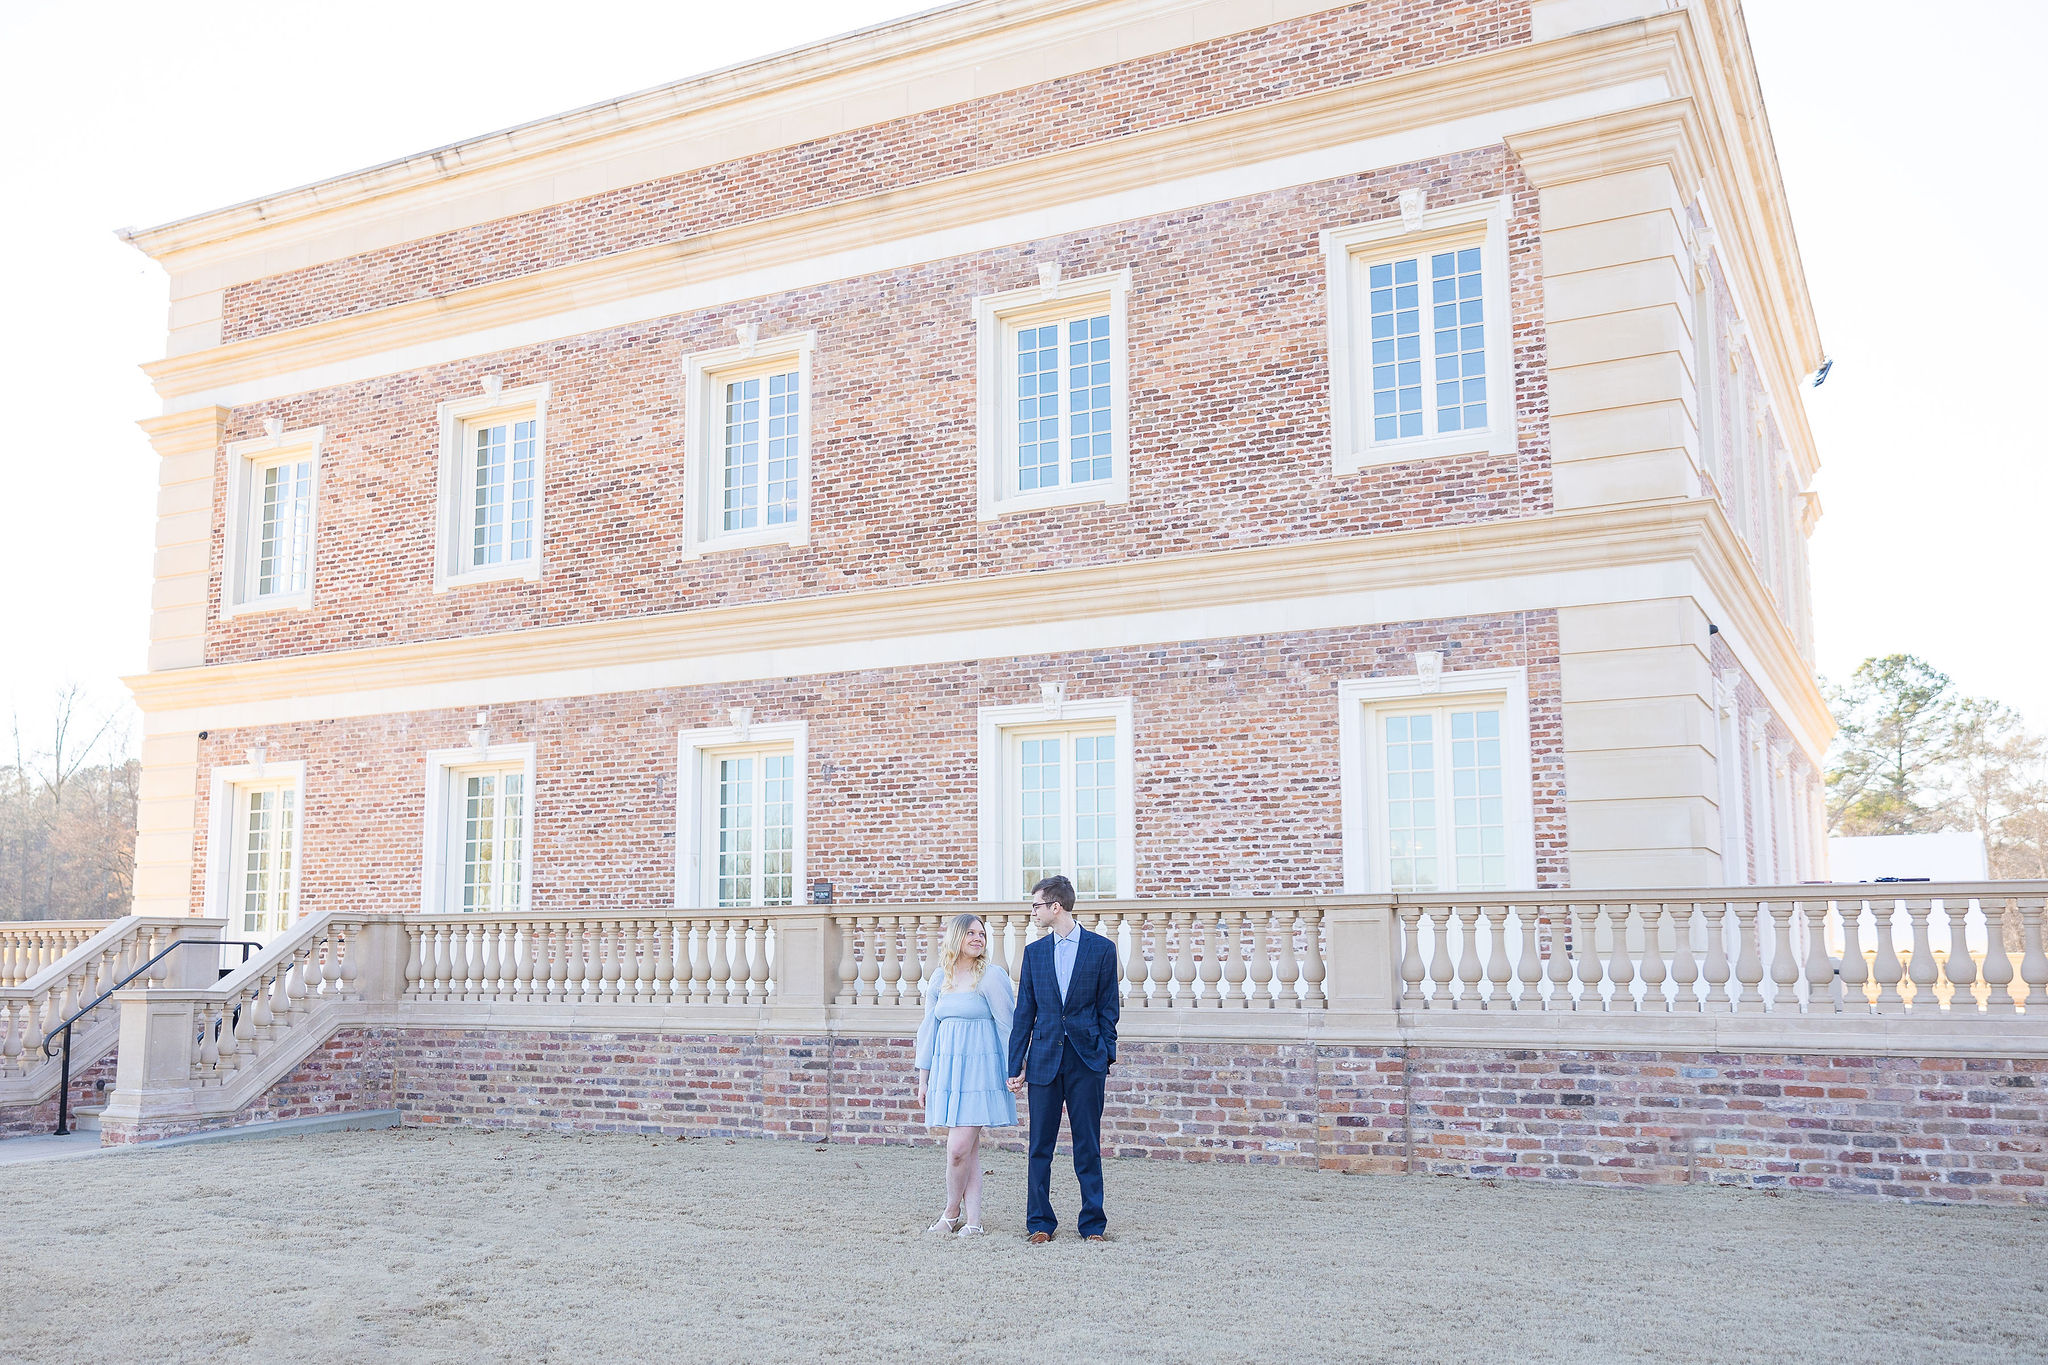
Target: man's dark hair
1060, 889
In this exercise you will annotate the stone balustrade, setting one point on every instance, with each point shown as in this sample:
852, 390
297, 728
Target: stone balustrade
34, 1008
28, 946
1790, 950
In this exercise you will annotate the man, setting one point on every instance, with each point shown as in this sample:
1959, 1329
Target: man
1065, 1030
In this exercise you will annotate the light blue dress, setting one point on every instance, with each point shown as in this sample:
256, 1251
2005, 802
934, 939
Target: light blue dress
964, 1044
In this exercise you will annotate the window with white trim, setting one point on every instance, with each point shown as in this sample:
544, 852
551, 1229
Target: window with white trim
1419, 334
253, 877
747, 445
493, 481
1053, 394
479, 835
273, 492
1056, 798
1436, 783
740, 815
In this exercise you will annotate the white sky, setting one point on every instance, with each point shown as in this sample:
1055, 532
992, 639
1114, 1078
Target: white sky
1902, 142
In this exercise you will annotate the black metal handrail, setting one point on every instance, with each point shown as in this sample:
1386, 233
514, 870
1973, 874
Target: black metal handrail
64, 1076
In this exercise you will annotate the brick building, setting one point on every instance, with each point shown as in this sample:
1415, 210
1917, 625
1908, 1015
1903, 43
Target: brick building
1241, 447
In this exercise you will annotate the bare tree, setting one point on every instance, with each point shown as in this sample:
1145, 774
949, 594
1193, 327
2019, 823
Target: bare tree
67, 816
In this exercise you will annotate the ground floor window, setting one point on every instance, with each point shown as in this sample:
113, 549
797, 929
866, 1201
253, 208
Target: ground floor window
1436, 782
479, 837
254, 884
740, 814
1056, 797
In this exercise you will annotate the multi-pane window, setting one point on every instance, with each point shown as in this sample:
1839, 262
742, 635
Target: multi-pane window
753, 812
1065, 804
761, 451
267, 849
284, 529
1453, 398
1063, 403
491, 830
502, 489
1445, 824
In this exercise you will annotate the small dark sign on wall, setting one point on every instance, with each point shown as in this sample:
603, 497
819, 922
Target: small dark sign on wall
821, 893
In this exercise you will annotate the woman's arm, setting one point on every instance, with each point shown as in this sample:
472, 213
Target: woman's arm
928, 1029
1002, 1003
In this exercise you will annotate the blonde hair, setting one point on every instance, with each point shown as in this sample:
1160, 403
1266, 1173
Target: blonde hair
956, 935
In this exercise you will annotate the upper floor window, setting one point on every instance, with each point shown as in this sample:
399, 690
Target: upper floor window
479, 834
740, 814
747, 445
1419, 336
1056, 797
1436, 782
273, 484
1053, 393
254, 860
492, 485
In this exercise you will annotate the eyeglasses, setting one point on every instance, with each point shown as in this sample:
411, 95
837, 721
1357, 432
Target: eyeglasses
1045, 905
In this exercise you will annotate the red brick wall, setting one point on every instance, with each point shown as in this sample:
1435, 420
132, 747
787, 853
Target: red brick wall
1236, 769
350, 1073
88, 1087
1229, 433
1288, 59
1928, 1128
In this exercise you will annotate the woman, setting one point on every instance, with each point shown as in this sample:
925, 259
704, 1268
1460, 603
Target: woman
963, 1050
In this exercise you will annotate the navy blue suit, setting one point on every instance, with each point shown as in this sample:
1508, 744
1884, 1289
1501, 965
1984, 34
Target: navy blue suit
1064, 1047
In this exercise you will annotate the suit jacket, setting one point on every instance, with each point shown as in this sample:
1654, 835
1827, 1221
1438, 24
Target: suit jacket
1086, 1018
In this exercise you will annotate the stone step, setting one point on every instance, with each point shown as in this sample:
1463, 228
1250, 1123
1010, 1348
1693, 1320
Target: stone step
86, 1118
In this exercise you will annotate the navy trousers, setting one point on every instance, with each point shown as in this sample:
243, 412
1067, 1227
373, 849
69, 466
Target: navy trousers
1079, 1091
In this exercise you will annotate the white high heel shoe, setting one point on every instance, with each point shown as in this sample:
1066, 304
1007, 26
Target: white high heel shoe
972, 1230
947, 1225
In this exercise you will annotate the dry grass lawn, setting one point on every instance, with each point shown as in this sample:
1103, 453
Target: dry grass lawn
407, 1245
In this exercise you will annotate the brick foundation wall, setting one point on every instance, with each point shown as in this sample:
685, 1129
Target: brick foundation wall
1229, 433
350, 1073
1236, 773
88, 1087
1921, 1128
1296, 57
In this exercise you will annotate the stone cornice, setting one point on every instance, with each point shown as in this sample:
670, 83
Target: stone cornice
1690, 531
1389, 105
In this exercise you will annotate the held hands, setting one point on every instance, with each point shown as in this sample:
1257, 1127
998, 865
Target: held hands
1016, 1084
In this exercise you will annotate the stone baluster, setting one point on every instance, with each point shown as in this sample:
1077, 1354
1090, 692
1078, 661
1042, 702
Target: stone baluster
1820, 968
245, 1024
10, 1036
229, 1043
330, 962
1313, 972
1653, 970
1889, 970
868, 967
1212, 949
1183, 923
574, 960
1785, 969
698, 942
1854, 972
1720, 988
2034, 962
1230, 959
1528, 967
848, 972
1469, 971
1923, 971
1621, 967
719, 982
432, 963
1961, 971
488, 965
1159, 970
673, 986
260, 1017
892, 964
998, 958
920, 959
758, 962
1557, 968
1998, 964
1499, 971
1749, 964
1685, 968
602, 975
657, 962
1443, 960
1414, 971
1287, 971
1586, 956
1136, 970
209, 1043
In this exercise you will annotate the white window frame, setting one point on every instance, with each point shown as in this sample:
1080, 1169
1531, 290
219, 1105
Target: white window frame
1762, 821
240, 550
439, 889
997, 320
1346, 253
997, 730
1728, 770
1360, 701
696, 751
707, 374
226, 787
457, 419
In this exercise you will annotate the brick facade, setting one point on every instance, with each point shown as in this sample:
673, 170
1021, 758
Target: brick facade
350, 1073
1229, 444
1924, 1128
88, 1087
1236, 769
1317, 52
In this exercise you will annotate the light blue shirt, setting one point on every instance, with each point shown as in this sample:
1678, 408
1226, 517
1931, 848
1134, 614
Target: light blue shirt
1064, 951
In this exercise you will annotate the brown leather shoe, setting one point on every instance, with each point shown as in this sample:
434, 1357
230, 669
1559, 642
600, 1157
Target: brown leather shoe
1094, 1237
1039, 1238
